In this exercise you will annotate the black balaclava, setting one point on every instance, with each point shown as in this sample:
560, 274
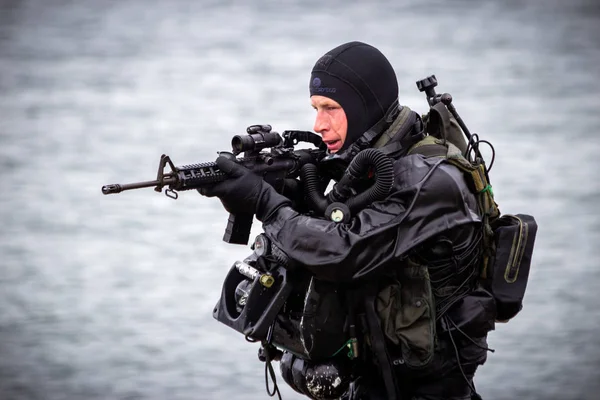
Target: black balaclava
361, 79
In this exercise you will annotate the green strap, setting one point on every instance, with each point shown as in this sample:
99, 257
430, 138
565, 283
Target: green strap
488, 188
348, 344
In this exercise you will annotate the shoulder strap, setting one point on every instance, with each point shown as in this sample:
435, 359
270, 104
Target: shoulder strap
406, 129
399, 123
429, 147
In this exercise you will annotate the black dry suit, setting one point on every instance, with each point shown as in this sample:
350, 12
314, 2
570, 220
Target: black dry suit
409, 264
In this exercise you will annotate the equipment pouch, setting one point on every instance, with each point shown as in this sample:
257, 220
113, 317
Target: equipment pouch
514, 237
407, 313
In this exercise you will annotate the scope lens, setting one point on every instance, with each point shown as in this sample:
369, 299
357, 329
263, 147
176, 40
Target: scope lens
242, 143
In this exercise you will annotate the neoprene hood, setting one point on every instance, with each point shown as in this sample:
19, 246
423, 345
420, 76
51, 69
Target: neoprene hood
361, 79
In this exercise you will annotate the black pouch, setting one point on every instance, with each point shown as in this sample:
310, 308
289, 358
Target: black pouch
514, 238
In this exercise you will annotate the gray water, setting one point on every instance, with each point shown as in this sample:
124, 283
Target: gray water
110, 297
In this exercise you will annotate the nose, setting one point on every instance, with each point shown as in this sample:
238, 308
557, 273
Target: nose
321, 122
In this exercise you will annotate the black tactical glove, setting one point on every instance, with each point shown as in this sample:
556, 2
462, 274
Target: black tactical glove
244, 192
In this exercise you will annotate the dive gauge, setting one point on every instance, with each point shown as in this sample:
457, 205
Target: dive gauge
261, 245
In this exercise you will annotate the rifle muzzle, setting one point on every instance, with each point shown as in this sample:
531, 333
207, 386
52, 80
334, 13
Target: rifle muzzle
110, 189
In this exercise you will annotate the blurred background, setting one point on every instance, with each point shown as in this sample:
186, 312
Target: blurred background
111, 297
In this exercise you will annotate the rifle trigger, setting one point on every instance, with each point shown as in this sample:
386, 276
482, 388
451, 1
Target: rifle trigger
171, 193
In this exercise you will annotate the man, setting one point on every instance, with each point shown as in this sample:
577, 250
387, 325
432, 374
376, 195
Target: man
417, 253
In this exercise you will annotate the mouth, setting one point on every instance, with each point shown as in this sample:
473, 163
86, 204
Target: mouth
333, 145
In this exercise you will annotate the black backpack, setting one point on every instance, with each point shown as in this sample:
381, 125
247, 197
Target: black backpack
508, 239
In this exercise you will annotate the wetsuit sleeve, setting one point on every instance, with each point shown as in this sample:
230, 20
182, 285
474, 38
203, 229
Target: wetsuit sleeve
381, 233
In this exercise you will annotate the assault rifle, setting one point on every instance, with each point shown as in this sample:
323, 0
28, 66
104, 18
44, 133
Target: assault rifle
276, 165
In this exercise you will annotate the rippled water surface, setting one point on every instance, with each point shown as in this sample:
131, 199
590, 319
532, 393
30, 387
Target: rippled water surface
111, 297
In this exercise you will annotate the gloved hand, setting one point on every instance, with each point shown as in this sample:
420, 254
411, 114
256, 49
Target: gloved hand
244, 191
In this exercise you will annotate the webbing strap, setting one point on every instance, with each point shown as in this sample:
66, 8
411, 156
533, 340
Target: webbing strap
429, 147
486, 204
394, 128
429, 150
378, 346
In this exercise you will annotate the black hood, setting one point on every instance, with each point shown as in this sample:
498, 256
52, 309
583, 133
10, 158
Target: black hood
361, 79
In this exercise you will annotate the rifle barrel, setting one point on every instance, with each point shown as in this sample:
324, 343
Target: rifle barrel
118, 188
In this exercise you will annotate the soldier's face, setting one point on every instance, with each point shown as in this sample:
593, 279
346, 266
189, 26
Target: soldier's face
330, 122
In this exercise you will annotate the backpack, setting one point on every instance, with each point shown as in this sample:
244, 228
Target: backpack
508, 239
